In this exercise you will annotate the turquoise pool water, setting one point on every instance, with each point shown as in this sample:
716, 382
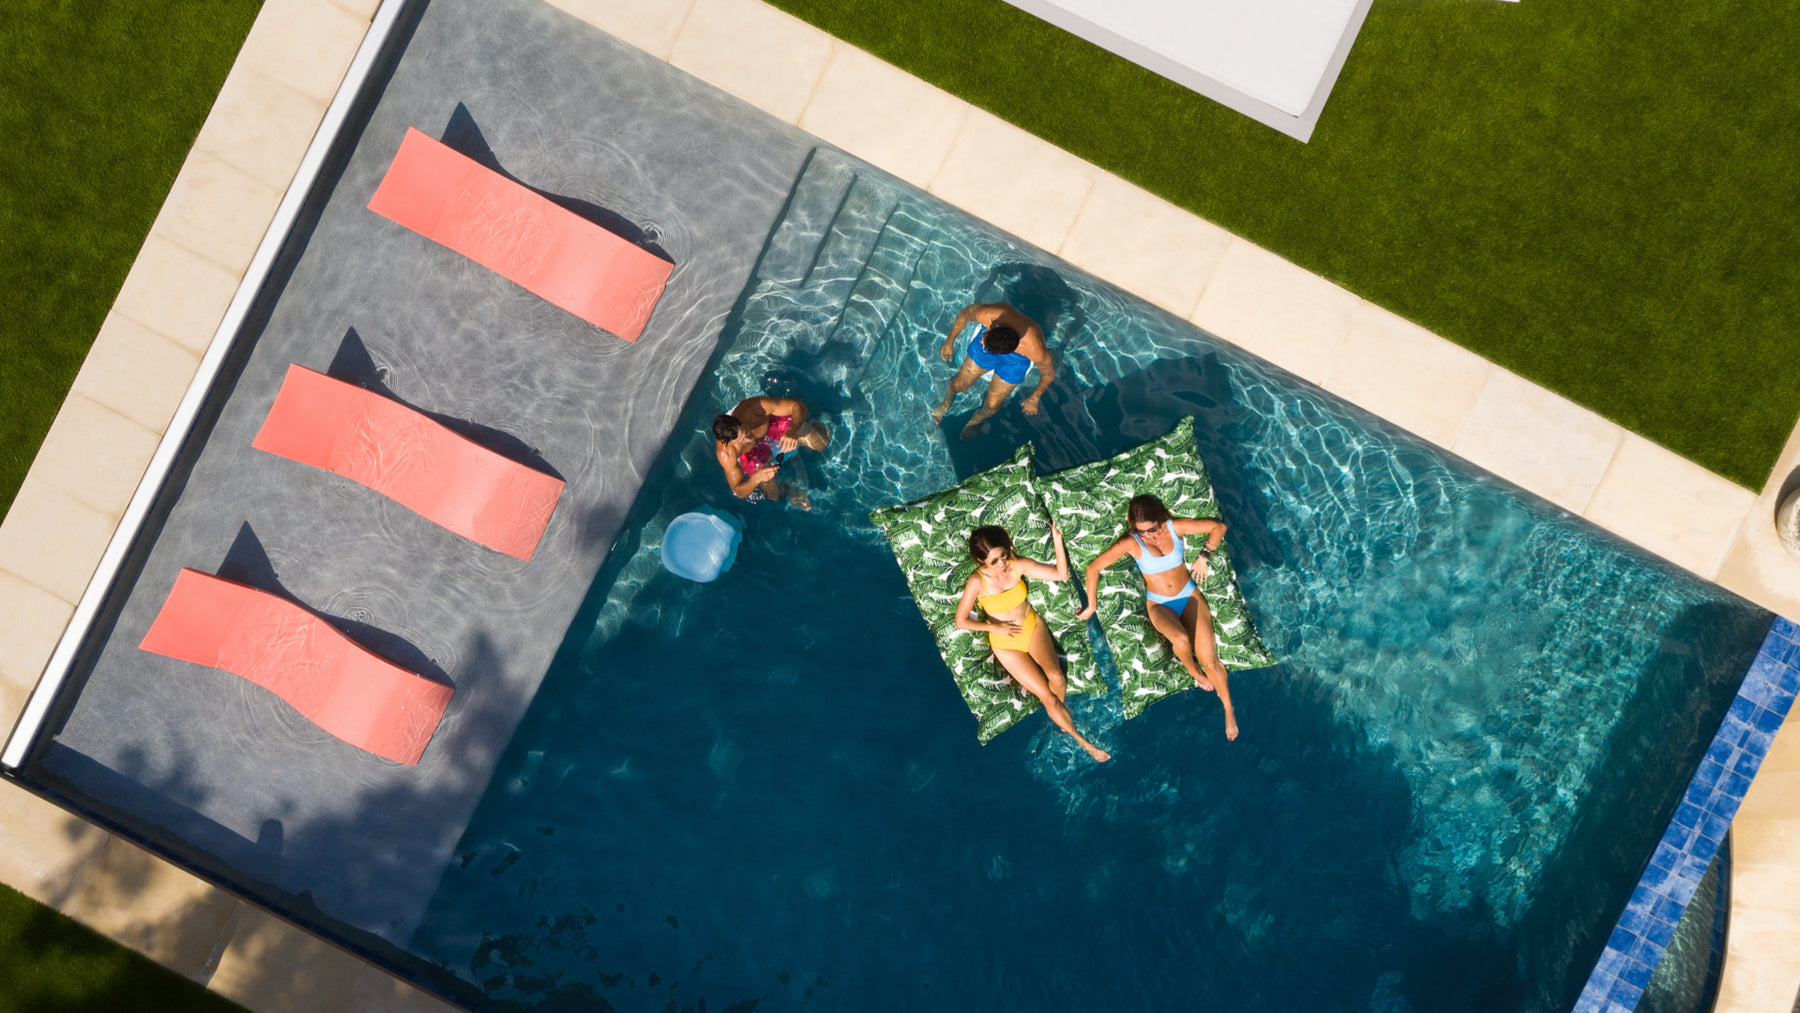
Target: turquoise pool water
764, 793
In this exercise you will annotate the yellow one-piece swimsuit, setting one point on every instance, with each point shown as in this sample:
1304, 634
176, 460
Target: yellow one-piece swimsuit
1003, 602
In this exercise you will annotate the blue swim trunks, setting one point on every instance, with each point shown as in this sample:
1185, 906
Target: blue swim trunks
1010, 367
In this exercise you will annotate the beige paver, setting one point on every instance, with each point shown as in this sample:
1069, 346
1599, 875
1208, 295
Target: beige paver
176, 293
217, 211
1774, 794
270, 966
364, 9
1280, 311
261, 126
94, 454
1406, 374
153, 907
136, 372
884, 115
1539, 440
44, 851
650, 25
1757, 566
377, 991
764, 56
51, 539
1014, 180
1762, 967
13, 699
305, 44
1765, 842
32, 620
1669, 505
1145, 245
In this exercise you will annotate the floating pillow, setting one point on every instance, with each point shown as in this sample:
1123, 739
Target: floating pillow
930, 539
1089, 502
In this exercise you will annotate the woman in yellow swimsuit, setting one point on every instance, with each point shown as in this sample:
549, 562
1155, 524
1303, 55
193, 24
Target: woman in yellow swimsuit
1020, 641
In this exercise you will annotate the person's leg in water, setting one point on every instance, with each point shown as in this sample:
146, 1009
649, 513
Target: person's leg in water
997, 391
1169, 623
813, 435
1197, 618
1025, 671
776, 490
963, 380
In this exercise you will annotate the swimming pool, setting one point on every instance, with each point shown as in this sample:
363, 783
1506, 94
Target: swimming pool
764, 792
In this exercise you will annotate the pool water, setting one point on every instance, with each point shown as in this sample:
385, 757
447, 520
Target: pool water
765, 792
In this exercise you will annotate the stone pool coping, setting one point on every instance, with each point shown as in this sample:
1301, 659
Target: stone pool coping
225, 197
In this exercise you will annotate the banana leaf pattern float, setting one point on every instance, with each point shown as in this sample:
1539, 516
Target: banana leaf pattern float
930, 540
1089, 502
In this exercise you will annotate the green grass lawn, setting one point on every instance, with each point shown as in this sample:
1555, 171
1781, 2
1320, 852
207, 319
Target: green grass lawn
1601, 197
99, 102
52, 963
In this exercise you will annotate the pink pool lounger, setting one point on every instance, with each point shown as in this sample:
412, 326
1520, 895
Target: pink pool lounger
414, 461
569, 261
363, 699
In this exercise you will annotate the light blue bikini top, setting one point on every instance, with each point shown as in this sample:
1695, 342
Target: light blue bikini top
1148, 563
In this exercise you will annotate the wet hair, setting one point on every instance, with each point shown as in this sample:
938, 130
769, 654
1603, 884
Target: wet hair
1000, 340
725, 428
1145, 509
986, 539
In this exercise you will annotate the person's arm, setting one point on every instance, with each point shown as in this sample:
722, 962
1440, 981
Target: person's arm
1215, 536
1100, 563
742, 485
965, 622
1044, 571
948, 351
1039, 354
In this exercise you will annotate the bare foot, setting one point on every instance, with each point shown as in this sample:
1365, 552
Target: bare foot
1202, 681
824, 436
1100, 755
972, 430
937, 414
1231, 728
799, 498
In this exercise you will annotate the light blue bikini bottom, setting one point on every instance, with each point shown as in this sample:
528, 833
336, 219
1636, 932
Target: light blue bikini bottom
1165, 599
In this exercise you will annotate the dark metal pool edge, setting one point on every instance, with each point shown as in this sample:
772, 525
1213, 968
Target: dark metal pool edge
1693, 836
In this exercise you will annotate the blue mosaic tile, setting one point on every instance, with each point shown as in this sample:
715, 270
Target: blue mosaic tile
1714, 827
1766, 668
1757, 741
1612, 961
1621, 940
1742, 709
1746, 762
1726, 807
1758, 689
1693, 868
1667, 910
1660, 933
1644, 954
1789, 679
1665, 856
1687, 814
1592, 1001
1720, 751
1710, 772
1626, 994
1638, 974
1785, 627
1734, 785
1767, 720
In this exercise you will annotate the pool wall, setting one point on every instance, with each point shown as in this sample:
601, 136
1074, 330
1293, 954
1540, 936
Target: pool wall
1693, 836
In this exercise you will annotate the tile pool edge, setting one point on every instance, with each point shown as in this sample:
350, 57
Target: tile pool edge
1693, 836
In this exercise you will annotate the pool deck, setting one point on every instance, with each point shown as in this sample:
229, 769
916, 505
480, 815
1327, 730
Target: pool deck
296, 56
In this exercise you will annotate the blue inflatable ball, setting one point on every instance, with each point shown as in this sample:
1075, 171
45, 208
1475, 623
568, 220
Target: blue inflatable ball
700, 546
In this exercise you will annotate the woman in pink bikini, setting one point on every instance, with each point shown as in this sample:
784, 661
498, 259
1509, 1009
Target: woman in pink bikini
754, 440
1172, 598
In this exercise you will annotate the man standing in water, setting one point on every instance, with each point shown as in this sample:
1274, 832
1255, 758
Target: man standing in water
1006, 344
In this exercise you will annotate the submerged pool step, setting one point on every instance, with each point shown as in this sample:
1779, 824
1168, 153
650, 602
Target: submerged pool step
876, 298
817, 198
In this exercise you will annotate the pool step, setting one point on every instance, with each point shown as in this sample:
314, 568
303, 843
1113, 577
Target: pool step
879, 292
818, 198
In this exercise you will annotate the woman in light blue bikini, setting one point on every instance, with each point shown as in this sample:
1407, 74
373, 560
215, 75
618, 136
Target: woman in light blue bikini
1172, 601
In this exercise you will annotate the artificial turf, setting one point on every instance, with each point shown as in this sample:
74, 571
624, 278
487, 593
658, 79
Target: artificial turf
1601, 197
53, 963
99, 102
